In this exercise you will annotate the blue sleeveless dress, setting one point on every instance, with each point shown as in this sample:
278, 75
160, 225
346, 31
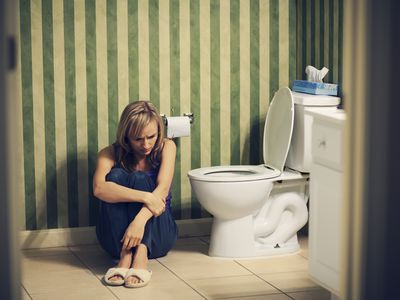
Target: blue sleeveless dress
160, 232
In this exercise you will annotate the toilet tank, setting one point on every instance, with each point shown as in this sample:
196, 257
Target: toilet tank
299, 156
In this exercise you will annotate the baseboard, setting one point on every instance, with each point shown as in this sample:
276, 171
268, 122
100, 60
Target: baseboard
61, 237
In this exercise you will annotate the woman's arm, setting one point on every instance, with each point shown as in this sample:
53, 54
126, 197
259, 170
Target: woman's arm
164, 178
134, 233
166, 173
111, 192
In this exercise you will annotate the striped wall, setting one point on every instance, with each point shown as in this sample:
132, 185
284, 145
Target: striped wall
82, 61
320, 37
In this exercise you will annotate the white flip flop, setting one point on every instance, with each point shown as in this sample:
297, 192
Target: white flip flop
143, 274
115, 272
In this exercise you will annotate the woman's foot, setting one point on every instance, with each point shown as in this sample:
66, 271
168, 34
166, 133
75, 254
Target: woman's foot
124, 262
140, 261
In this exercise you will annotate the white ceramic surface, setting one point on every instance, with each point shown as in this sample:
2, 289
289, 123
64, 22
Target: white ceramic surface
247, 222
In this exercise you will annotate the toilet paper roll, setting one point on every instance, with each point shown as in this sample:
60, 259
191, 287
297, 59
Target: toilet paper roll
178, 126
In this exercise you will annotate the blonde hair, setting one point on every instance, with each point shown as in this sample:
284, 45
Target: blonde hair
135, 117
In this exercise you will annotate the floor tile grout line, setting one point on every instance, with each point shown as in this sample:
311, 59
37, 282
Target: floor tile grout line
24, 254
181, 279
91, 271
83, 264
50, 255
306, 257
199, 240
279, 291
26, 291
240, 297
204, 241
282, 292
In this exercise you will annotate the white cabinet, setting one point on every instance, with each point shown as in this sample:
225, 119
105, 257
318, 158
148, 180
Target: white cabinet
326, 198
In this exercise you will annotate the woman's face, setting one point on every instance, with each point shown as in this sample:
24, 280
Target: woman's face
143, 144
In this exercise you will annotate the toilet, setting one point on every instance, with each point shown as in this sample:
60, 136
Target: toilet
258, 209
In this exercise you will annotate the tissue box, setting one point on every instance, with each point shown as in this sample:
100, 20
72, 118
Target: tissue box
315, 88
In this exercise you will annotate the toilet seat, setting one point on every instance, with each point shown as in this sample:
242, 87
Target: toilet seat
234, 173
277, 136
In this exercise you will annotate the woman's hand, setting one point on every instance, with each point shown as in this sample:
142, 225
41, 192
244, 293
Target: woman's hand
133, 234
155, 203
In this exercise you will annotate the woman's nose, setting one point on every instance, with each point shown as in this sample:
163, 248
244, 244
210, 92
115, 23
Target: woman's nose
146, 143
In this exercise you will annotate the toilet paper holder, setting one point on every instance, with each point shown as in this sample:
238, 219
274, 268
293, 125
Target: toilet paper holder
189, 115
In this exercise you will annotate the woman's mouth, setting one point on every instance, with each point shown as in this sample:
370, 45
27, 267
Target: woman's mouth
146, 151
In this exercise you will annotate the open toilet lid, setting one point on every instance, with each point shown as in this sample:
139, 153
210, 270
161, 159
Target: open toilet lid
278, 129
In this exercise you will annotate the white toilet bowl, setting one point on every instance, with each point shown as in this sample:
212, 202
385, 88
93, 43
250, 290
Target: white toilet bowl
248, 184
233, 194
257, 210
248, 220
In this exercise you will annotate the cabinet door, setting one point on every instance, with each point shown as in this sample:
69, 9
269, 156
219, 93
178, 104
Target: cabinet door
325, 226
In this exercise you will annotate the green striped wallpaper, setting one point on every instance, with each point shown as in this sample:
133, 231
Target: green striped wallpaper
320, 37
82, 61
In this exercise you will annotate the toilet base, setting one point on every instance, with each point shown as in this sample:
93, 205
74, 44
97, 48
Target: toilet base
290, 247
232, 238
235, 239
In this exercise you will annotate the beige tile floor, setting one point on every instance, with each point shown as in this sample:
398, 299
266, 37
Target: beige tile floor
185, 273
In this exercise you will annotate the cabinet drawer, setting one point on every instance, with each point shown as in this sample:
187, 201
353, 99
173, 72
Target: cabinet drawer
327, 144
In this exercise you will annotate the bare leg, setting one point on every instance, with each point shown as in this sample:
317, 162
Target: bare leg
124, 262
140, 261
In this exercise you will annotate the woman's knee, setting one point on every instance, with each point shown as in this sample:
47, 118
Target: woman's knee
141, 181
118, 175
136, 180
